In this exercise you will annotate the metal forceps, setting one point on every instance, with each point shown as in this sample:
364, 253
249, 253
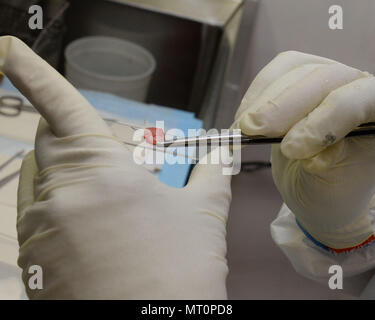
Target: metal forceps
230, 138
234, 138
152, 145
10, 106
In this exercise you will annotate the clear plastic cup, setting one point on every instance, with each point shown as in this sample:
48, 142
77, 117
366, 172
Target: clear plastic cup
110, 65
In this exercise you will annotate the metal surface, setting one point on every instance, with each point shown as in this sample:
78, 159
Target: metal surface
231, 91
14, 17
212, 12
209, 107
191, 40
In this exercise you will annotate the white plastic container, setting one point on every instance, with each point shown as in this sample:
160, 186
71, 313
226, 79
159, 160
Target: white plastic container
110, 65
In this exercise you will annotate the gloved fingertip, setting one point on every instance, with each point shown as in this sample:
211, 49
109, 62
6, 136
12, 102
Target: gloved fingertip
300, 147
302, 142
293, 148
252, 123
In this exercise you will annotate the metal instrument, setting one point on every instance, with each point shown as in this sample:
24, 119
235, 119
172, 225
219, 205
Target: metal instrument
10, 106
234, 138
11, 176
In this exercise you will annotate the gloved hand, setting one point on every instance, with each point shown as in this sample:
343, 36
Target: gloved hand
99, 225
325, 180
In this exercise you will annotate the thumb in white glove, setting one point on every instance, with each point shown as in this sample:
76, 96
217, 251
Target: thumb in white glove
99, 225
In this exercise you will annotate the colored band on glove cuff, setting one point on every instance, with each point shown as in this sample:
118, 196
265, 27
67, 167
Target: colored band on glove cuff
333, 250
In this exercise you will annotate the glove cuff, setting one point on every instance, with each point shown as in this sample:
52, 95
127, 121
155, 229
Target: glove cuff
369, 238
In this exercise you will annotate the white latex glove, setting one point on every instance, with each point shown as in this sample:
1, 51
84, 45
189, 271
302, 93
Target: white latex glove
99, 225
325, 180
